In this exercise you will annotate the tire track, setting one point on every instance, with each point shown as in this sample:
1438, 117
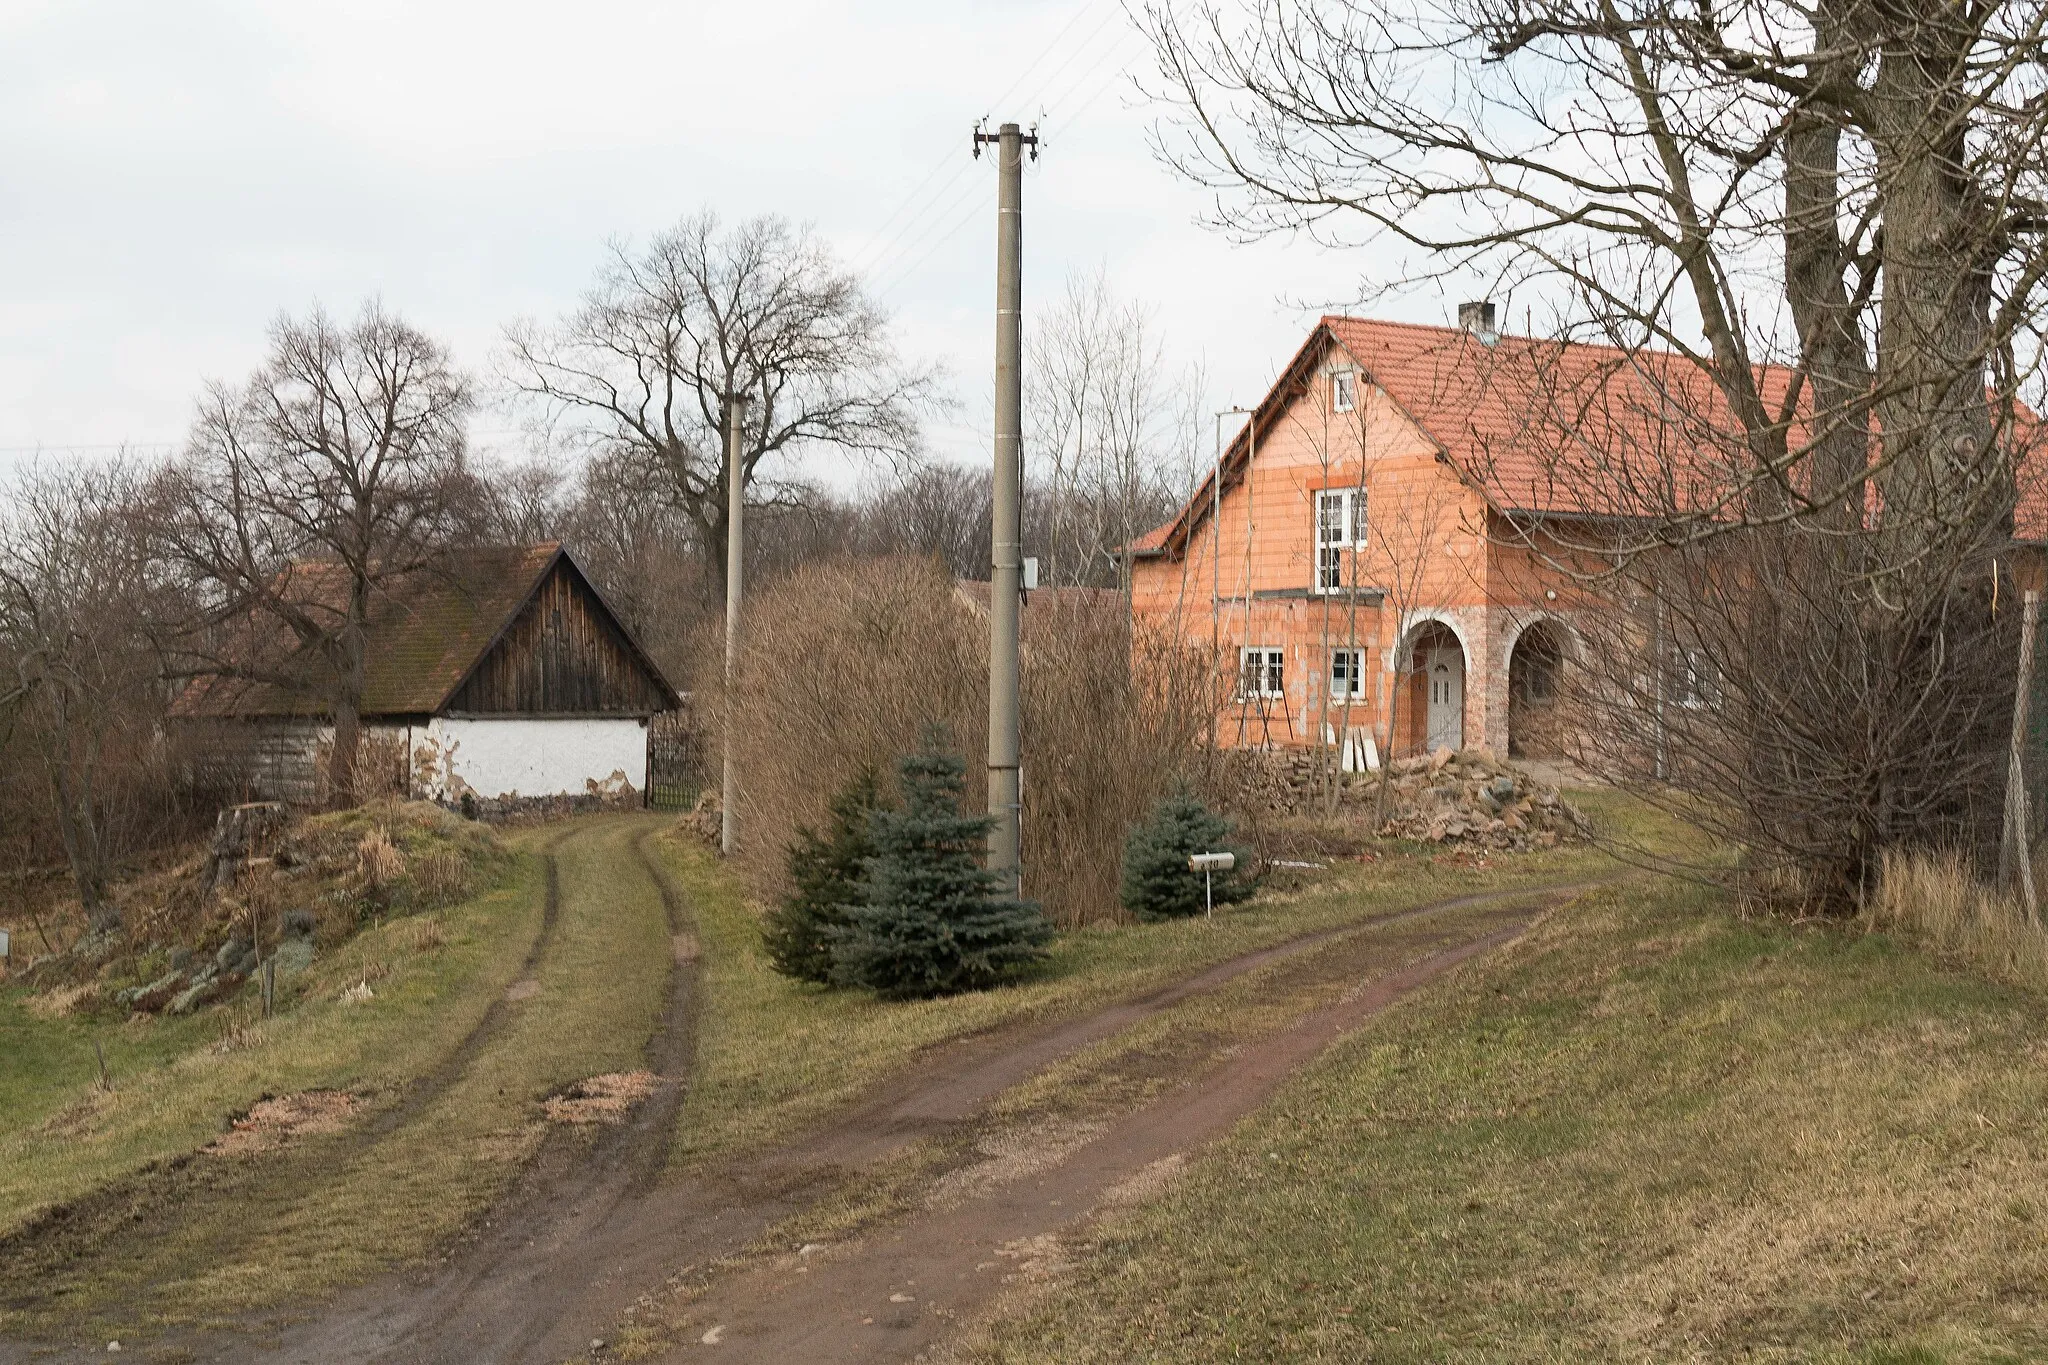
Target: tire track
587, 1284
437, 1082
499, 1299
955, 1079
585, 1233
167, 1191
897, 1293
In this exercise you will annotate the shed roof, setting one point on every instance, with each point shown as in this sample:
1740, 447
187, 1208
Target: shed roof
427, 632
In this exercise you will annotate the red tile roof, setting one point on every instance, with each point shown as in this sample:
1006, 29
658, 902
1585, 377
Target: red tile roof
1545, 426
425, 634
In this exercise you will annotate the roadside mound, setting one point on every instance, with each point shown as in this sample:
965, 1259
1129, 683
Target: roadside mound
268, 884
1473, 797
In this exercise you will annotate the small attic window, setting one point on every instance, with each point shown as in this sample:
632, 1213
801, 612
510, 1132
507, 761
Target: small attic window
1343, 390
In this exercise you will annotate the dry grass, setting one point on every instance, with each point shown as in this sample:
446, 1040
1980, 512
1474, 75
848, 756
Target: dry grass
775, 1056
328, 1207
1937, 900
846, 663
381, 862
1646, 1132
428, 934
442, 877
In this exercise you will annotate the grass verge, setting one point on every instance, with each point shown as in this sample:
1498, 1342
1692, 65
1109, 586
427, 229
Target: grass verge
1646, 1131
201, 1240
175, 1079
776, 1056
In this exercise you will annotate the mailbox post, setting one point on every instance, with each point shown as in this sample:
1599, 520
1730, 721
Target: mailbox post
1209, 864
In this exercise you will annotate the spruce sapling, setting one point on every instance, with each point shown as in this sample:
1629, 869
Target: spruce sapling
931, 921
1158, 883
826, 874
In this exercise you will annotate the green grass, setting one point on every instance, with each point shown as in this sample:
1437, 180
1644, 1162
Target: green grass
775, 1056
1648, 1131
172, 1088
218, 1235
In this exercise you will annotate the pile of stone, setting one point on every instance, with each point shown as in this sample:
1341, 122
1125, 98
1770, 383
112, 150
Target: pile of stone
195, 980
1476, 799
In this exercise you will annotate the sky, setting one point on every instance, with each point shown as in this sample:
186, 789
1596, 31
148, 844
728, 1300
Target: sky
177, 174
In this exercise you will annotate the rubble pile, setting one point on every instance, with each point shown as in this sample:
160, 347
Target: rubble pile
1471, 798
1474, 798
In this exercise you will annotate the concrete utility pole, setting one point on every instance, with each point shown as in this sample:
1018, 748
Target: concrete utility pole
1006, 571
735, 489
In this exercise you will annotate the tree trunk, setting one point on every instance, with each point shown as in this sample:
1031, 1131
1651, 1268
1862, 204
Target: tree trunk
1817, 291
78, 829
1935, 313
342, 775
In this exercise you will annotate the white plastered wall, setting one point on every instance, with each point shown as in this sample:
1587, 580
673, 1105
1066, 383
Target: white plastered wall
526, 756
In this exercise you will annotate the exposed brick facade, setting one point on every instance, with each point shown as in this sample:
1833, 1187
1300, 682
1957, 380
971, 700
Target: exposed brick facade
1250, 570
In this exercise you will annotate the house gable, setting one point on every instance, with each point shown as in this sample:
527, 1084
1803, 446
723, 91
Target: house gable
563, 653
1263, 542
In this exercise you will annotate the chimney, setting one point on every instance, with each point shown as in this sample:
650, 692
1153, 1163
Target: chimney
1477, 318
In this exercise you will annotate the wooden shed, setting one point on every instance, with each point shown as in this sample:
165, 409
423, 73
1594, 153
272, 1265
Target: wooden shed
502, 676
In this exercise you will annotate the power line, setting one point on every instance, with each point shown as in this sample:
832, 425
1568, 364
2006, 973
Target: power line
900, 265
1114, 60
937, 210
976, 192
862, 259
974, 208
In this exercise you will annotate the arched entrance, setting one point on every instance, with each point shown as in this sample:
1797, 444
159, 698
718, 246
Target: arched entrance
1535, 672
1435, 665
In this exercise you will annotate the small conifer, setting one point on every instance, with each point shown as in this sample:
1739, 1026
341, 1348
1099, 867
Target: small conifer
931, 921
826, 875
1157, 883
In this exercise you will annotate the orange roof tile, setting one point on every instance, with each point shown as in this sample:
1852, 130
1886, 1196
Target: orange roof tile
1546, 426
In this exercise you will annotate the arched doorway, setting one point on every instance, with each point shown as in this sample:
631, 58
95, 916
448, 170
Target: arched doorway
1535, 673
1435, 664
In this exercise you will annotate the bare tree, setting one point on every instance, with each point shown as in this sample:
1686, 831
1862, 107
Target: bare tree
337, 469
83, 684
521, 502
1813, 237
937, 511
644, 371
1108, 419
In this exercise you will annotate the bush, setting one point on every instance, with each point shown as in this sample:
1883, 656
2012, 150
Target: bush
930, 921
825, 875
1158, 884
844, 663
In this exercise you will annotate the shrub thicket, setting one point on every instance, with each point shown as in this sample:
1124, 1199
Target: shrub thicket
825, 875
844, 663
931, 920
1157, 882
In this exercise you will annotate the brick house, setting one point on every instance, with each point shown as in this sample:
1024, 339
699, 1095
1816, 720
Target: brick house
1377, 523
1356, 540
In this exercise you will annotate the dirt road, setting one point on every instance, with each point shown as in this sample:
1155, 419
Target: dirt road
565, 1261
589, 1232
895, 1294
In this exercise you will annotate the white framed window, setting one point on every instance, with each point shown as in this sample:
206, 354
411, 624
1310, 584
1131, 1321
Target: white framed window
1261, 672
1693, 681
1347, 673
1340, 526
1343, 390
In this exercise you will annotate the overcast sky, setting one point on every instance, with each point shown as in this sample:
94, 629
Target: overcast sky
176, 173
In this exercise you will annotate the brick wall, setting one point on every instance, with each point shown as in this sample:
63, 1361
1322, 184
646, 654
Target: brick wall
1426, 549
